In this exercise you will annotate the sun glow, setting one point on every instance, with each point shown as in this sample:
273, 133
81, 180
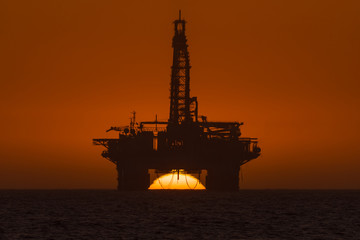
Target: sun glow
177, 180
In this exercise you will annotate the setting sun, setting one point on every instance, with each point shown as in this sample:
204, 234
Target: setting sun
174, 180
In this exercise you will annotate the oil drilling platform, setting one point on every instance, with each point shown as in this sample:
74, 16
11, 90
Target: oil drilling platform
211, 151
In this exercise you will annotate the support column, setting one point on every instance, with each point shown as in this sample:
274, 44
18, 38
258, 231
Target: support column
223, 178
133, 178
153, 175
120, 177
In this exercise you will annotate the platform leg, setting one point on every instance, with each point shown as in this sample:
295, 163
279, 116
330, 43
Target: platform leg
132, 178
223, 179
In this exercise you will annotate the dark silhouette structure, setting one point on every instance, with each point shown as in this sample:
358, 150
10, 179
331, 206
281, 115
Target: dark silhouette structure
185, 141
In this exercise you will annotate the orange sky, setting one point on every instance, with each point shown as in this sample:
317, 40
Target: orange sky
288, 69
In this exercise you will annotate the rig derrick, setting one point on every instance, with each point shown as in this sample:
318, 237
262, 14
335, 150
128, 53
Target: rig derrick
213, 150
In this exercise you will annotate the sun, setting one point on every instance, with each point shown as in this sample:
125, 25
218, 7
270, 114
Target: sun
175, 180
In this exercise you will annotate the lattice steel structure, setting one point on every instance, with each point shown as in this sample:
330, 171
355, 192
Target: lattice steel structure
180, 100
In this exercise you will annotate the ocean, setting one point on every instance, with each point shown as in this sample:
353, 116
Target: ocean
247, 214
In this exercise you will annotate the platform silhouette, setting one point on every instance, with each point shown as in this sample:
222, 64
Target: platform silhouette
213, 151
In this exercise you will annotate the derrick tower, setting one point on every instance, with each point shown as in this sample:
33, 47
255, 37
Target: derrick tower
211, 151
180, 100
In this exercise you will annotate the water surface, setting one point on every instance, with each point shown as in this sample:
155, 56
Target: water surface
248, 214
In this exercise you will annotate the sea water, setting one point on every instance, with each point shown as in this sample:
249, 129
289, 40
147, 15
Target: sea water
247, 214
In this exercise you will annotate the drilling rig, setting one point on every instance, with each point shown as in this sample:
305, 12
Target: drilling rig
212, 151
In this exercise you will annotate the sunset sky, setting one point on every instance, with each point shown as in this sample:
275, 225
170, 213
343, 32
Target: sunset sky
70, 69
